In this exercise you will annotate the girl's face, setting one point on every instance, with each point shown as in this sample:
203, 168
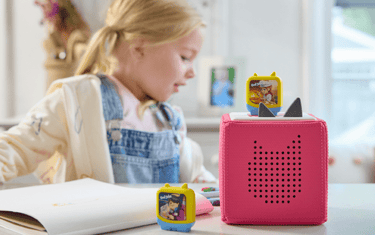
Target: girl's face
164, 68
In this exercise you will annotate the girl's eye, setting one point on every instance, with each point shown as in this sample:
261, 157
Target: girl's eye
185, 58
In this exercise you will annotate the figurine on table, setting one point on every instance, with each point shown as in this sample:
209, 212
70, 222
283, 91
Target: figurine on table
68, 35
175, 208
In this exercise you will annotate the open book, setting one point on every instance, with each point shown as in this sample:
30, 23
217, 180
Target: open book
83, 206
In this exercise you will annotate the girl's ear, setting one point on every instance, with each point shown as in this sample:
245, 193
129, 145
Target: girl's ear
137, 49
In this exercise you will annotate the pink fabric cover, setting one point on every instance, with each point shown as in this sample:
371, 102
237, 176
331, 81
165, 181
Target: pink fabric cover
241, 144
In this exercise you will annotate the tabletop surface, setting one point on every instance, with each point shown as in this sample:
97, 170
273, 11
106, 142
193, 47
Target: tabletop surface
351, 210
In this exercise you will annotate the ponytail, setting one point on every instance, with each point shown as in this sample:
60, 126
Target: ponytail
96, 58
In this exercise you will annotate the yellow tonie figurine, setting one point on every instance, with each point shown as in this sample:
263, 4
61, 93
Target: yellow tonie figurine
264, 89
175, 208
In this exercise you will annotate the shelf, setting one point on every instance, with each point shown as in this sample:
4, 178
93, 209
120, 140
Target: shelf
203, 123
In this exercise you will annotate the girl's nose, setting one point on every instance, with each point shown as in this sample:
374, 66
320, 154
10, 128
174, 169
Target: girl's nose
190, 73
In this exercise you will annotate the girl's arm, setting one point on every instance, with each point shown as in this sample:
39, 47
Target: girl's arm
192, 153
191, 158
35, 138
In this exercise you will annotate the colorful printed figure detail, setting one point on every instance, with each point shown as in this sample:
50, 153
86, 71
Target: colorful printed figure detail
174, 209
265, 89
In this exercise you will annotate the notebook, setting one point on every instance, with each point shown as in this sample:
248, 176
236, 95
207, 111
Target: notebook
85, 206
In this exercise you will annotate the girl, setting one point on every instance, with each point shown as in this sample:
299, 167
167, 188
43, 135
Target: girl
110, 122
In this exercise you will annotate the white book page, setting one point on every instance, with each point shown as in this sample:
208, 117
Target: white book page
87, 206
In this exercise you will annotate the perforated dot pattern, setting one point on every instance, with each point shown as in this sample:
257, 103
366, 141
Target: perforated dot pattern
275, 176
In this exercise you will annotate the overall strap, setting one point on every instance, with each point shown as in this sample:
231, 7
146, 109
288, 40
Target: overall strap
112, 106
174, 120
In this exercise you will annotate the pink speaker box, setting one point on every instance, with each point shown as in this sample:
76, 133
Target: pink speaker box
273, 170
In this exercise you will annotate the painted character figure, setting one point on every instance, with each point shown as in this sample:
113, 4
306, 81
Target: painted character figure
167, 211
181, 210
266, 92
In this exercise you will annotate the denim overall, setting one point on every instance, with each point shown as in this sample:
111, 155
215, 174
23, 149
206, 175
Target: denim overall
140, 156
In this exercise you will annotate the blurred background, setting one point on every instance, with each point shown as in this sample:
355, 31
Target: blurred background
323, 50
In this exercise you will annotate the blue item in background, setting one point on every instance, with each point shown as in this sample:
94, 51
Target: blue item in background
215, 201
222, 94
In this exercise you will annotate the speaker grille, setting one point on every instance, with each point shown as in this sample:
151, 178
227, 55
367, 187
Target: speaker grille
275, 176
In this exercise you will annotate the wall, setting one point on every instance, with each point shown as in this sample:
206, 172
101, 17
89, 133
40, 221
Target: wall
93, 11
22, 80
3, 85
29, 74
268, 33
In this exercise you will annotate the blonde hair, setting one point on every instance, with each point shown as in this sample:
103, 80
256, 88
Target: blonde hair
157, 21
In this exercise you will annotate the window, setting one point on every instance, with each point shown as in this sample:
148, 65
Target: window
353, 65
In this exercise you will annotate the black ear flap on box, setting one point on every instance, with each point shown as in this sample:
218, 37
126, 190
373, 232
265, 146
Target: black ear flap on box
295, 109
264, 111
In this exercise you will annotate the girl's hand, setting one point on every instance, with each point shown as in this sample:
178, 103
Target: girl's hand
199, 180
